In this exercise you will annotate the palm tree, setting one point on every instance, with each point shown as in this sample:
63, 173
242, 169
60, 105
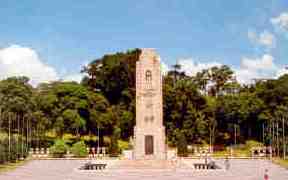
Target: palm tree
176, 68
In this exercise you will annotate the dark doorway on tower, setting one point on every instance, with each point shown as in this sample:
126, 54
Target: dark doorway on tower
149, 149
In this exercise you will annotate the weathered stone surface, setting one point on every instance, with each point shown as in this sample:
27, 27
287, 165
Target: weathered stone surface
143, 170
149, 131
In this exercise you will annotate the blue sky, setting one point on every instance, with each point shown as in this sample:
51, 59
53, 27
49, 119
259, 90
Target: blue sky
67, 34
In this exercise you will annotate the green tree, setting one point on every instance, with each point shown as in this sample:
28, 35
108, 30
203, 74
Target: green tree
114, 76
79, 149
181, 144
59, 148
114, 146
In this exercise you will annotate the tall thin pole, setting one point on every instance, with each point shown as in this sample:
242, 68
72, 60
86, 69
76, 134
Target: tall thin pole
270, 138
38, 137
235, 134
9, 136
210, 140
263, 133
1, 154
22, 136
98, 145
277, 137
27, 135
284, 139
0, 118
18, 133
273, 136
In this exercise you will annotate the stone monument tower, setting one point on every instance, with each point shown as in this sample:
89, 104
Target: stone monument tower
149, 131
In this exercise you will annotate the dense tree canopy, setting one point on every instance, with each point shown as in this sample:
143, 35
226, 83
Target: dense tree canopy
198, 110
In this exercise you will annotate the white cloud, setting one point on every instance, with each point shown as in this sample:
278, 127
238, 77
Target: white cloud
281, 21
246, 76
77, 77
282, 72
252, 35
266, 62
250, 68
256, 68
164, 68
22, 61
191, 67
265, 38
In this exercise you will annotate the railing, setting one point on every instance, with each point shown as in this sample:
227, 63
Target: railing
93, 152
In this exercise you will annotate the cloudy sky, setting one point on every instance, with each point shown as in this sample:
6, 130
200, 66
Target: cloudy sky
50, 40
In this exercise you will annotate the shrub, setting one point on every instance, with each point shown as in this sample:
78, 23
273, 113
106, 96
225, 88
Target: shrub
18, 149
114, 146
59, 149
251, 143
124, 145
3, 153
79, 149
181, 144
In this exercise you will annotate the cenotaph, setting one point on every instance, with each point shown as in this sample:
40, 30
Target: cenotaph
149, 132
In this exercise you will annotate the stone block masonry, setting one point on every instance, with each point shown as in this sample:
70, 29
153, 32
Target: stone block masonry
149, 131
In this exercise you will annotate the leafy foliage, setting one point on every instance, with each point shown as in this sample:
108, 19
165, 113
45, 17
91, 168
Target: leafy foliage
181, 144
114, 149
201, 109
59, 148
79, 149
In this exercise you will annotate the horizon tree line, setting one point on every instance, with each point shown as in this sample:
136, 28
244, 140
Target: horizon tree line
227, 113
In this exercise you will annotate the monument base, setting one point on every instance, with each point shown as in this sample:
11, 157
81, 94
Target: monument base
136, 165
150, 145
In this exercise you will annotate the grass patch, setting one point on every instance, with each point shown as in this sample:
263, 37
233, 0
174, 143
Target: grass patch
221, 154
11, 166
235, 153
281, 162
241, 153
240, 150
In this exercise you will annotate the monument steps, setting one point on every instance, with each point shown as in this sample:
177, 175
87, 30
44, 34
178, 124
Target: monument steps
144, 164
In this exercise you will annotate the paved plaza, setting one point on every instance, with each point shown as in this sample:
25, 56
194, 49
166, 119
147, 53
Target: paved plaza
68, 170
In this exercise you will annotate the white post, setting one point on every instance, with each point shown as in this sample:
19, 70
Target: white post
277, 138
22, 136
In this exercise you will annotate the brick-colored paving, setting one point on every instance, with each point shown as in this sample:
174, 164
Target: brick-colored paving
68, 170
